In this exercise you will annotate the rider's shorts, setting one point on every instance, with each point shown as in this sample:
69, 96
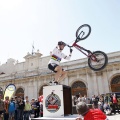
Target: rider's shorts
52, 66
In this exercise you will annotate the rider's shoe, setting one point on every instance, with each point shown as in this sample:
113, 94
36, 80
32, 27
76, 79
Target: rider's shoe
56, 83
50, 83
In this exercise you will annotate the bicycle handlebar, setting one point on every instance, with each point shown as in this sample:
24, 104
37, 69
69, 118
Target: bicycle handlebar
68, 46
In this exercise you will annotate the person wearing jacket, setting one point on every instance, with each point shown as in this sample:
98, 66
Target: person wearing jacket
1, 107
20, 109
89, 114
27, 110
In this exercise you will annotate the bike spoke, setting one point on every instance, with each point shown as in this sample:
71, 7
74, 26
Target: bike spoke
99, 62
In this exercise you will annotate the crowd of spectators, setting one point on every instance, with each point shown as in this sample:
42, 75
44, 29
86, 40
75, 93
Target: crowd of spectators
18, 108
106, 103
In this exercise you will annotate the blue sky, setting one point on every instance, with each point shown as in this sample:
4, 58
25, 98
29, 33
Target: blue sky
48, 21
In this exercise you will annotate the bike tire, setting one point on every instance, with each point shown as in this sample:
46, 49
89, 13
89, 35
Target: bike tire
77, 32
100, 66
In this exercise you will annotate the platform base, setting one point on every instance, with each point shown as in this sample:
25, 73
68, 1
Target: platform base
68, 117
57, 101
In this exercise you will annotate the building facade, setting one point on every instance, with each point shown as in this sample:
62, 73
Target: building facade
31, 75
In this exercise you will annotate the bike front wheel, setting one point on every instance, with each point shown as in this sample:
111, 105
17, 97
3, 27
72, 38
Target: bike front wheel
98, 60
83, 32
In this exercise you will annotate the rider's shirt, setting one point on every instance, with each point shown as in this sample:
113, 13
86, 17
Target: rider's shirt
56, 56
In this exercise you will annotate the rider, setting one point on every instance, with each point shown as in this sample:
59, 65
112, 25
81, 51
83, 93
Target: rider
56, 56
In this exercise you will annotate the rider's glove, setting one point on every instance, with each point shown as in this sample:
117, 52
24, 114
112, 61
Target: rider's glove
71, 50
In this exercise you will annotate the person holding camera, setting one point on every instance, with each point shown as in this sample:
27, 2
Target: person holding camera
56, 57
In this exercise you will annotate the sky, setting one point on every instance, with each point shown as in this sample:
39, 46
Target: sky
45, 22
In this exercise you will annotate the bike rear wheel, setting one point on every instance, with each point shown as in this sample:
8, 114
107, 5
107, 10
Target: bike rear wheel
83, 34
98, 60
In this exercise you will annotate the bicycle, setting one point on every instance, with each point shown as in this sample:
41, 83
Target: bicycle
96, 60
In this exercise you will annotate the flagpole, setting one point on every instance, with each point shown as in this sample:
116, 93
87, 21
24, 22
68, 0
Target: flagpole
33, 48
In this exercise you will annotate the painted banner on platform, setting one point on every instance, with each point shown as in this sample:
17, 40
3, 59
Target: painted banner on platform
9, 91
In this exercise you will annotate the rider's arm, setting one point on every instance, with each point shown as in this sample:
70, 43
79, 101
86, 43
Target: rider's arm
54, 50
66, 57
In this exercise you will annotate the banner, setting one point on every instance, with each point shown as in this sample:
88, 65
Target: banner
9, 91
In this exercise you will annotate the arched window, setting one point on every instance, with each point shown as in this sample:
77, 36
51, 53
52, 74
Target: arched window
78, 84
19, 92
115, 84
79, 87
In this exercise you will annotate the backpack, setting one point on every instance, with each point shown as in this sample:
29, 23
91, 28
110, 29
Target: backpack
11, 107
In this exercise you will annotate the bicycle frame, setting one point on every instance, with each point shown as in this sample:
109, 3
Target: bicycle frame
81, 49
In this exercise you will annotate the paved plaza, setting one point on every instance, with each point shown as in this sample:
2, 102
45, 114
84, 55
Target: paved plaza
72, 117
114, 117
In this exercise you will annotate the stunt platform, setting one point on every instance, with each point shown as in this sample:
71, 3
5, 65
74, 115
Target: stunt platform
57, 101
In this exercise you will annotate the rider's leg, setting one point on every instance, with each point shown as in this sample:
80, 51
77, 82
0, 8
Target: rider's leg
63, 75
58, 73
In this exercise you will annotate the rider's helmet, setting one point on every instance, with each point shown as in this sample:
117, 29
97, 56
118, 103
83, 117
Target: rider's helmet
61, 43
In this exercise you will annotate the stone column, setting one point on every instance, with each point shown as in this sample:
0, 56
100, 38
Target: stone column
99, 82
106, 83
90, 85
94, 84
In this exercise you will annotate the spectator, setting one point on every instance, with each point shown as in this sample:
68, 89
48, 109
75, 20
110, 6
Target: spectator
107, 108
6, 103
1, 107
95, 104
27, 110
89, 114
80, 98
16, 107
41, 105
75, 99
11, 109
101, 101
86, 99
92, 99
26, 99
115, 103
21, 105
41, 109
38, 108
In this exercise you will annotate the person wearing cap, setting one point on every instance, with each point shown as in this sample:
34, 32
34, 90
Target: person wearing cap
54, 63
1, 107
89, 114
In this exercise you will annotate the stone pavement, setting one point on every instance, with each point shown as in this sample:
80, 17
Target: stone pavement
114, 117
72, 117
